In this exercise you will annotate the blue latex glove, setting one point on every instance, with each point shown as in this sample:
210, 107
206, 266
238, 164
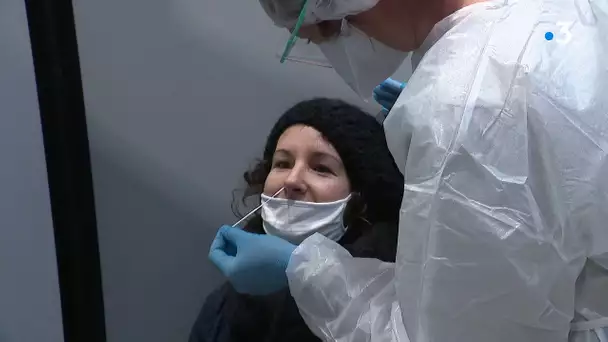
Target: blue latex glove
387, 92
254, 264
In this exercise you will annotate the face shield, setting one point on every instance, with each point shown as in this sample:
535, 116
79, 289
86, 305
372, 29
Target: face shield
362, 62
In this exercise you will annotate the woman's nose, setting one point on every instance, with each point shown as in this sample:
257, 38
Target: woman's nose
295, 187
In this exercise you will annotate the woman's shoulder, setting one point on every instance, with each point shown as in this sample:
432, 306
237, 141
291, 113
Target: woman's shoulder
226, 315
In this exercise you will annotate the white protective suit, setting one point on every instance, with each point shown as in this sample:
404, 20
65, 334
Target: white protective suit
502, 135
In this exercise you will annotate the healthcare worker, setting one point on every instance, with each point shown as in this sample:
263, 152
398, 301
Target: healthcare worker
502, 136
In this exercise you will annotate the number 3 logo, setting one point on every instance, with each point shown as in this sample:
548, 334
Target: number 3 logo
564, 32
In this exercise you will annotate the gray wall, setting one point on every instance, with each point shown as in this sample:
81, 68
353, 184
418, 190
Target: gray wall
30, 307
180, 95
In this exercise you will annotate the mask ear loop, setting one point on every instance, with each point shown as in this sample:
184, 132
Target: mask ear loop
361, 214
356, 197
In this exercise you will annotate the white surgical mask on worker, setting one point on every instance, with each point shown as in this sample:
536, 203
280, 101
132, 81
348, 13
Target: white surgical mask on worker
294, 221
362, 62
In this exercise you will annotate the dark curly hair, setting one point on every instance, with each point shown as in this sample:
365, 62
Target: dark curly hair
377, 184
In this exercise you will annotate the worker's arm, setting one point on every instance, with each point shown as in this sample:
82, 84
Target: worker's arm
342, 298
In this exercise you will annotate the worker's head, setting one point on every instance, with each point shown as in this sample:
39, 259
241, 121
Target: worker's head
400, 24
324, 151
365, 41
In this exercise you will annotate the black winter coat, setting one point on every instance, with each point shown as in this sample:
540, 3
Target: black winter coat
228, 316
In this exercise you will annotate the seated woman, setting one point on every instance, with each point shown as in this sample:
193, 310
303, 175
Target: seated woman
339, 180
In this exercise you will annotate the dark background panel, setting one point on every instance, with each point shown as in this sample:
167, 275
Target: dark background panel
62, 110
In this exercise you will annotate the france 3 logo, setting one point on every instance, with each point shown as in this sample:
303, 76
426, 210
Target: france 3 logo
564, 35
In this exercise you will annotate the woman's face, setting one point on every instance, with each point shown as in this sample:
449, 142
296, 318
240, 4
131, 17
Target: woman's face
308, 167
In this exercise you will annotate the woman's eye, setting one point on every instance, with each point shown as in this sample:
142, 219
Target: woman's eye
280, 164
323, 169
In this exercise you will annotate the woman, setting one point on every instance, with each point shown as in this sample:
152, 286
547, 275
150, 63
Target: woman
332, 159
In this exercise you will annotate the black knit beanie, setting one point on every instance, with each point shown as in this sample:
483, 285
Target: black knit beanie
359, 140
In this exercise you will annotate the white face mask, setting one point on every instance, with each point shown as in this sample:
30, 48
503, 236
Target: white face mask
362, 62
294, 221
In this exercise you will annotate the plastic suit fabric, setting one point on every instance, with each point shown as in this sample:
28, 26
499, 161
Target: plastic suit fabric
502, 136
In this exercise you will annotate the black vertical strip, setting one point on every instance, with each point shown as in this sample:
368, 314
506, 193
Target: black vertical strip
55, 52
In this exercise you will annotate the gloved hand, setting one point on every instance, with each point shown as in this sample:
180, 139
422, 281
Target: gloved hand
387, 92
254, 264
